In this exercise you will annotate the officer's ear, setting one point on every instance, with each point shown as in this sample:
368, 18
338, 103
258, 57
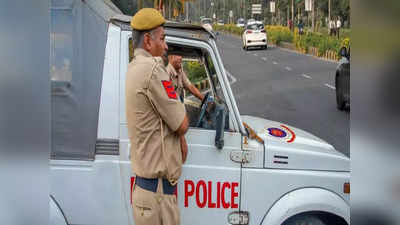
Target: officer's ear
147, 41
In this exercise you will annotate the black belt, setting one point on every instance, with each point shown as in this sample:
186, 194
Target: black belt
151, 184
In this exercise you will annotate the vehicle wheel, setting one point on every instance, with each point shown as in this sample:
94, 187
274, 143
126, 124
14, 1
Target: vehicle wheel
340, 103
247, 48
304, 220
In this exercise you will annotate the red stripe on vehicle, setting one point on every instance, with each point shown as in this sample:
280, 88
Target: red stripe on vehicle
291, 132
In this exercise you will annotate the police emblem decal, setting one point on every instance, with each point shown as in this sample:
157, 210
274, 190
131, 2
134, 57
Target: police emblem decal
276, 132
286, 134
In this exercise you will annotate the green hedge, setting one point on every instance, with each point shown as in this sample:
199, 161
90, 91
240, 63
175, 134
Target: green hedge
320, 41
230, 28
277, 34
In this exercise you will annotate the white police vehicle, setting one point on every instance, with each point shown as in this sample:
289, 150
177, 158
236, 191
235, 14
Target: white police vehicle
268, 173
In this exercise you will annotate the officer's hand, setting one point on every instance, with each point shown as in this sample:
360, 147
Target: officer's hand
184, 148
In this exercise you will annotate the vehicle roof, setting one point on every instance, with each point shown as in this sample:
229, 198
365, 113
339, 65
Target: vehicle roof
176, 29
254, 22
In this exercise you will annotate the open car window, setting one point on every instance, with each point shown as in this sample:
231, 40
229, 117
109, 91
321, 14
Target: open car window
201, 73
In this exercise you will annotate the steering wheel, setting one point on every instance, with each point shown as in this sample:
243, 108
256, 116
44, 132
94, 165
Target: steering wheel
207, 98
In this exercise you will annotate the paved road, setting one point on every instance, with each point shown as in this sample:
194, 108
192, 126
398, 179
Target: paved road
289, 87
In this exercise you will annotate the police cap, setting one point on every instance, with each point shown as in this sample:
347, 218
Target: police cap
147, 19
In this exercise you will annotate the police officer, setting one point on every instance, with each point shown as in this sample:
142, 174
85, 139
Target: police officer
179, 78
157, 123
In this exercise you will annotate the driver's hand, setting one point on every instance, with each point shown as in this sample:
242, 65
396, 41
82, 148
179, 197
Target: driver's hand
210, 107
184, 148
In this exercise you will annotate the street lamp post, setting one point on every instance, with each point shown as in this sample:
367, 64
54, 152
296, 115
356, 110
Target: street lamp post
212, 11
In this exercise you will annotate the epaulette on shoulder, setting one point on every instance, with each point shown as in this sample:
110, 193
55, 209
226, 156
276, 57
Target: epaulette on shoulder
159, 60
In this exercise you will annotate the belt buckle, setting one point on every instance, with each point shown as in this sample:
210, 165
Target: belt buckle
173, 182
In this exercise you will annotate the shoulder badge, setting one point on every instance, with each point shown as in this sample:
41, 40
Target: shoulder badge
169, 88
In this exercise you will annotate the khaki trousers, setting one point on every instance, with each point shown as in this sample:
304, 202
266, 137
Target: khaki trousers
151, 208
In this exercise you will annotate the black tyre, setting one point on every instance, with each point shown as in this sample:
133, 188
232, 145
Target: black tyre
304, 220
340, 103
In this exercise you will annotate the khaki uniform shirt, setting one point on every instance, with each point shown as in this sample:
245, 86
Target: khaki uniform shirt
153, 112
179, 80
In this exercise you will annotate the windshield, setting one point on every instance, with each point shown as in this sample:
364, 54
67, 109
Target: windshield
255, 27
240, 21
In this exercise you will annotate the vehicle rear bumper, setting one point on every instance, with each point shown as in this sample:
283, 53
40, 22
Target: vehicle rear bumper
256, 43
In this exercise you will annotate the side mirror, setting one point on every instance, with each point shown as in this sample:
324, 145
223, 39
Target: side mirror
343, 52
220, 126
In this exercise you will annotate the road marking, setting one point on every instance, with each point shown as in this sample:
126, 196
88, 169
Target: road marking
330, 86
231, 76
288, 68
306, 76
274, 62
255, 54
264, 58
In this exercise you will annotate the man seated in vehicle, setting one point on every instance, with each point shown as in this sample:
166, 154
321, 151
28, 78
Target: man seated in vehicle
179, 78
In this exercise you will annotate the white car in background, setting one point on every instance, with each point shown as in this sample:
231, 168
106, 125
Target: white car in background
250, 21
254, 35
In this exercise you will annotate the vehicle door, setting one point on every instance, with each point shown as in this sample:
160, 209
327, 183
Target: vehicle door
210, 183
209, 186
